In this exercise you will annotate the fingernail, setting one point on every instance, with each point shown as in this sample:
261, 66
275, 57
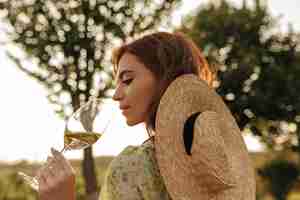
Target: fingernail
53, 151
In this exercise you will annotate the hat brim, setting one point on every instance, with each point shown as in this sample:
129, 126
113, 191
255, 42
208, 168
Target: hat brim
184, 97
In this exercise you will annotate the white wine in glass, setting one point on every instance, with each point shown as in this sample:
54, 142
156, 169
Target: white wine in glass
82, 129
79, 140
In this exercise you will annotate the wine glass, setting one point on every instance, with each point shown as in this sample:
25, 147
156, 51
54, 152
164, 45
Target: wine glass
84, 127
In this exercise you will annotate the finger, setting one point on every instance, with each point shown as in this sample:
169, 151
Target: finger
61, 162
50, 172
49, 161
57, 155
57, 168
58, 158
42, 180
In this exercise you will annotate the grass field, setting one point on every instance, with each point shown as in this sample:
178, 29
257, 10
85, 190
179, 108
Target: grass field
13, 187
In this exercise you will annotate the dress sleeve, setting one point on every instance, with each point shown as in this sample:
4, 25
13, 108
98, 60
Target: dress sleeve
152, 185
133, 175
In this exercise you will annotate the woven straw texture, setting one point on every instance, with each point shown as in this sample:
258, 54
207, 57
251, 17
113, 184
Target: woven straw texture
219, 166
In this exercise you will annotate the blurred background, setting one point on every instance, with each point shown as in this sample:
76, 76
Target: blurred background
55, 54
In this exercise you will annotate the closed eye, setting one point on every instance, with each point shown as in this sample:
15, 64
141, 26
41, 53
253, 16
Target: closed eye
127, 82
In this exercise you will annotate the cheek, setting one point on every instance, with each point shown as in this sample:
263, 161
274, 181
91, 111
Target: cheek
128, 91
141, 99
146, 101
141, 108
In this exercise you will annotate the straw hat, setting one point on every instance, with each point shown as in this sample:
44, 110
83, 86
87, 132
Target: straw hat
198, 146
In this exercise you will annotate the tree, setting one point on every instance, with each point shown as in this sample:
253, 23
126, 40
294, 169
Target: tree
281, 174
259, 67
70, 42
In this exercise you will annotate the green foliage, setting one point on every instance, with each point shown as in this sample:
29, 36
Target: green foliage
13, 187
258, 66
282, 175
70, 41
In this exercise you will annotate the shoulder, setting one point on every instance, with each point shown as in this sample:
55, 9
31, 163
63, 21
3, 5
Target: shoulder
134, 158
126, 173
132, 164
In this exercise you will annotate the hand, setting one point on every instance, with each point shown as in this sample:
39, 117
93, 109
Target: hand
56, 179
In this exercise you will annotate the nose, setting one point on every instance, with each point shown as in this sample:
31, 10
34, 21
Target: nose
119, 94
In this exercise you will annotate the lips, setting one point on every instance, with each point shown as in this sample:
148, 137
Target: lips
124, 109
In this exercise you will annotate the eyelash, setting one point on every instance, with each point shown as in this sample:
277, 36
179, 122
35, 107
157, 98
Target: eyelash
127, 82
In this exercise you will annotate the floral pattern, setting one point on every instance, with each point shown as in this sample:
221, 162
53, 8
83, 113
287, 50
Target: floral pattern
134, 175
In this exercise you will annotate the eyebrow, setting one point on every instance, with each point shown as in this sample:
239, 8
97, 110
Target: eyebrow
123, 73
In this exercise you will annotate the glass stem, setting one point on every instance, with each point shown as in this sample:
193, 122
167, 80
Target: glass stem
64, 149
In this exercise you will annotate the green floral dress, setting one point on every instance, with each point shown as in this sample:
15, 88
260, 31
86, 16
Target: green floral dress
134, 175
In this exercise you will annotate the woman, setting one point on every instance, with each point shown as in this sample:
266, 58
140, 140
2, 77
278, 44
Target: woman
195, 150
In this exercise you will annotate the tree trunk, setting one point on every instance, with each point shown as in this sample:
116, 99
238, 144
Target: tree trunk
89, 174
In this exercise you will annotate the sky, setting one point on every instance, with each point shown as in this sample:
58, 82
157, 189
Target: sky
29, 127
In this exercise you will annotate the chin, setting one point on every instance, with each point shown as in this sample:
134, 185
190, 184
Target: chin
133, 122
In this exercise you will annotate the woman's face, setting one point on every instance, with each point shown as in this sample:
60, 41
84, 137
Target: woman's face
136, 87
